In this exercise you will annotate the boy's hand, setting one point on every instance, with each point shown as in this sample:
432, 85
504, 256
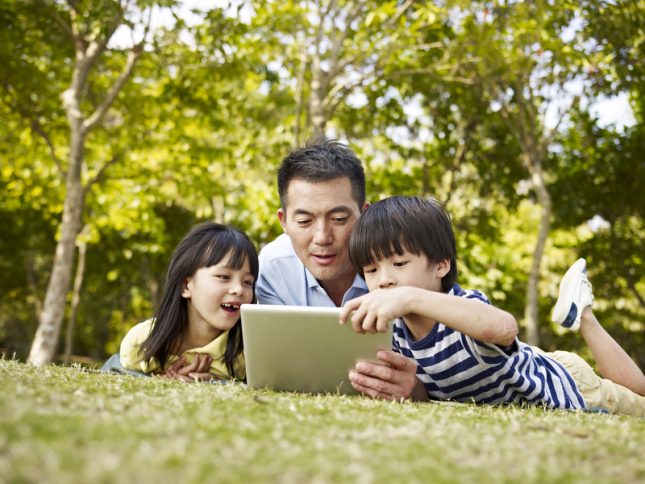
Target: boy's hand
395, 380
373, 311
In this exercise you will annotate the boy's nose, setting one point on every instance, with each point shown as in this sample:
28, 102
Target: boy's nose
386, 281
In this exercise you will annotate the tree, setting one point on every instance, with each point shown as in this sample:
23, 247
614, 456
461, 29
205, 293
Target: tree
90, 35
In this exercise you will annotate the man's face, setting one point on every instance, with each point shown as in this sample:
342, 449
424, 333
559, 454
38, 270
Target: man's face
318, 218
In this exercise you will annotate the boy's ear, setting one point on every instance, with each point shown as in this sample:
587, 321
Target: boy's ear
443, 267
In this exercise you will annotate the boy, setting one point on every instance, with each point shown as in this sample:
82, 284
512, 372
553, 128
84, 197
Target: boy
465, 350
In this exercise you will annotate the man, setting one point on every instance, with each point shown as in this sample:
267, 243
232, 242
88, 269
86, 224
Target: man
322, 194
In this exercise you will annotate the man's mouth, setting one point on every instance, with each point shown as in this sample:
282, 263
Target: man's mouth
323, 259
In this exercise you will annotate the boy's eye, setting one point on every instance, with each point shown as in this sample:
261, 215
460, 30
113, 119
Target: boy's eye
401, 263
369, 270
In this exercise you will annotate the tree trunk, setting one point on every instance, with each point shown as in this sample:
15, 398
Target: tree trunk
316, 102
531, 315
44, 345
76, 299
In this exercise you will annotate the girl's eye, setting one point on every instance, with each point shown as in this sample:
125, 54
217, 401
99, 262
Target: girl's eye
248, 283
401, 263
369, 270
224, 277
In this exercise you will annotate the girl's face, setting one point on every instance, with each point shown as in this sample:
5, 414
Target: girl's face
214, 295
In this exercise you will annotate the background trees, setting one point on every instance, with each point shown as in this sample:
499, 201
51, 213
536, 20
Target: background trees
489, 106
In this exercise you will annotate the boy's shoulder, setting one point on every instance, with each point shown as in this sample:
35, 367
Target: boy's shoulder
457, 290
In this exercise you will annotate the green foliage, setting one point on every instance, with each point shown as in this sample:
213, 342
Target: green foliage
214, 105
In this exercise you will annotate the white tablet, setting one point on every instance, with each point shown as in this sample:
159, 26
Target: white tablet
304, 349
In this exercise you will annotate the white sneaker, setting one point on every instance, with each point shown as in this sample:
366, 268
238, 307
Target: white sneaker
574, 295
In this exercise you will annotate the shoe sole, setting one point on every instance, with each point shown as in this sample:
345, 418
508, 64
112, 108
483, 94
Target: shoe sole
565, 300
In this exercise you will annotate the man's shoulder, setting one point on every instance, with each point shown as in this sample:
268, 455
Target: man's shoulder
279, 248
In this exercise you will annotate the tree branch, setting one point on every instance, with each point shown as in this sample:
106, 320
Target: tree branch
38, 128
99, 174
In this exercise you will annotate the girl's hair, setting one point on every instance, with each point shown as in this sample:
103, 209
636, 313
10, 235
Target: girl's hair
395, 224
205, 245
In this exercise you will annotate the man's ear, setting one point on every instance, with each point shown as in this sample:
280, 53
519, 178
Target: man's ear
443, 267
365, 205
282, 216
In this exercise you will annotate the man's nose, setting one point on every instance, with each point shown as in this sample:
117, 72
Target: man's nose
323, 234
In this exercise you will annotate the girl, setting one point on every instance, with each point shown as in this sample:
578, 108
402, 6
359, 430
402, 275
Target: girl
195, 333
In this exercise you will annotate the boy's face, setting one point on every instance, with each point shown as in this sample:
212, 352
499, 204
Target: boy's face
407, 269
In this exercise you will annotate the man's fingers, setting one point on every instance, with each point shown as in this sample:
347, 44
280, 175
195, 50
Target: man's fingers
396, 360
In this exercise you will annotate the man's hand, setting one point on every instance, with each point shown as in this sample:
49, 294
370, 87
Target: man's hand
196, 371
395, 380
372, 312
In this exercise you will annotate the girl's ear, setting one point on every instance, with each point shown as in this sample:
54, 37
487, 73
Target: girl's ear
442, 267
185, 291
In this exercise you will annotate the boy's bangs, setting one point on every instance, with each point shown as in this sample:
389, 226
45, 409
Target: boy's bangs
383, 241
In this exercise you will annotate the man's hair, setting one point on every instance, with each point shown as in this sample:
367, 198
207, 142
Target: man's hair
322, 160
395, 224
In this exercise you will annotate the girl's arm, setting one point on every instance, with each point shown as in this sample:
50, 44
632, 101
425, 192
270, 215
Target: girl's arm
423, 308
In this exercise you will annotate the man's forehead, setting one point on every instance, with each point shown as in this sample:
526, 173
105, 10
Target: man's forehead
327, 195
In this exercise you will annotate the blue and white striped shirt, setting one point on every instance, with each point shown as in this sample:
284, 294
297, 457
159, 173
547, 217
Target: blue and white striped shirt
453, 366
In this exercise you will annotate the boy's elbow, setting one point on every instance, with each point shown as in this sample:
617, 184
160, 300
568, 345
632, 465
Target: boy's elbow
508, 329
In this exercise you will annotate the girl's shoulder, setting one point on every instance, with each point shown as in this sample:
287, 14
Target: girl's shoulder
131, 345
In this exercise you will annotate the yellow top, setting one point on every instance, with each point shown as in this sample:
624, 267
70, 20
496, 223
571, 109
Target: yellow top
131, 359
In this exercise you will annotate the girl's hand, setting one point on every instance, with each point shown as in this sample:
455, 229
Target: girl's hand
195, 371
372, 312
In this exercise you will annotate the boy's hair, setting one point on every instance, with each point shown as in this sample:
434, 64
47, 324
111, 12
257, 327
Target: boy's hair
205, 245
321, 160
395, 224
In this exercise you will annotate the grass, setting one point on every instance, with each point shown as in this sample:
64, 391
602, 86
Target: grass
69, 425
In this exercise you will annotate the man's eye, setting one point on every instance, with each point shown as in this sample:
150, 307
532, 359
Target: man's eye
339, 220
303, 221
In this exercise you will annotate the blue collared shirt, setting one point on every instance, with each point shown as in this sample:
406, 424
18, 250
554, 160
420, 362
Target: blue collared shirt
284, 280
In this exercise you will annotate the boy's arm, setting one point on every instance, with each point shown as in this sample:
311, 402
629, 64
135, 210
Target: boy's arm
372, 312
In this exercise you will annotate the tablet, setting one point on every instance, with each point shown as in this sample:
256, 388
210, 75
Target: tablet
304, 349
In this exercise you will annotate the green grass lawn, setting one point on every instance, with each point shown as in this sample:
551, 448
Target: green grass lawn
67, 425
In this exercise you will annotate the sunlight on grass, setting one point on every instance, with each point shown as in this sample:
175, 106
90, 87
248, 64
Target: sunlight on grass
69, 425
